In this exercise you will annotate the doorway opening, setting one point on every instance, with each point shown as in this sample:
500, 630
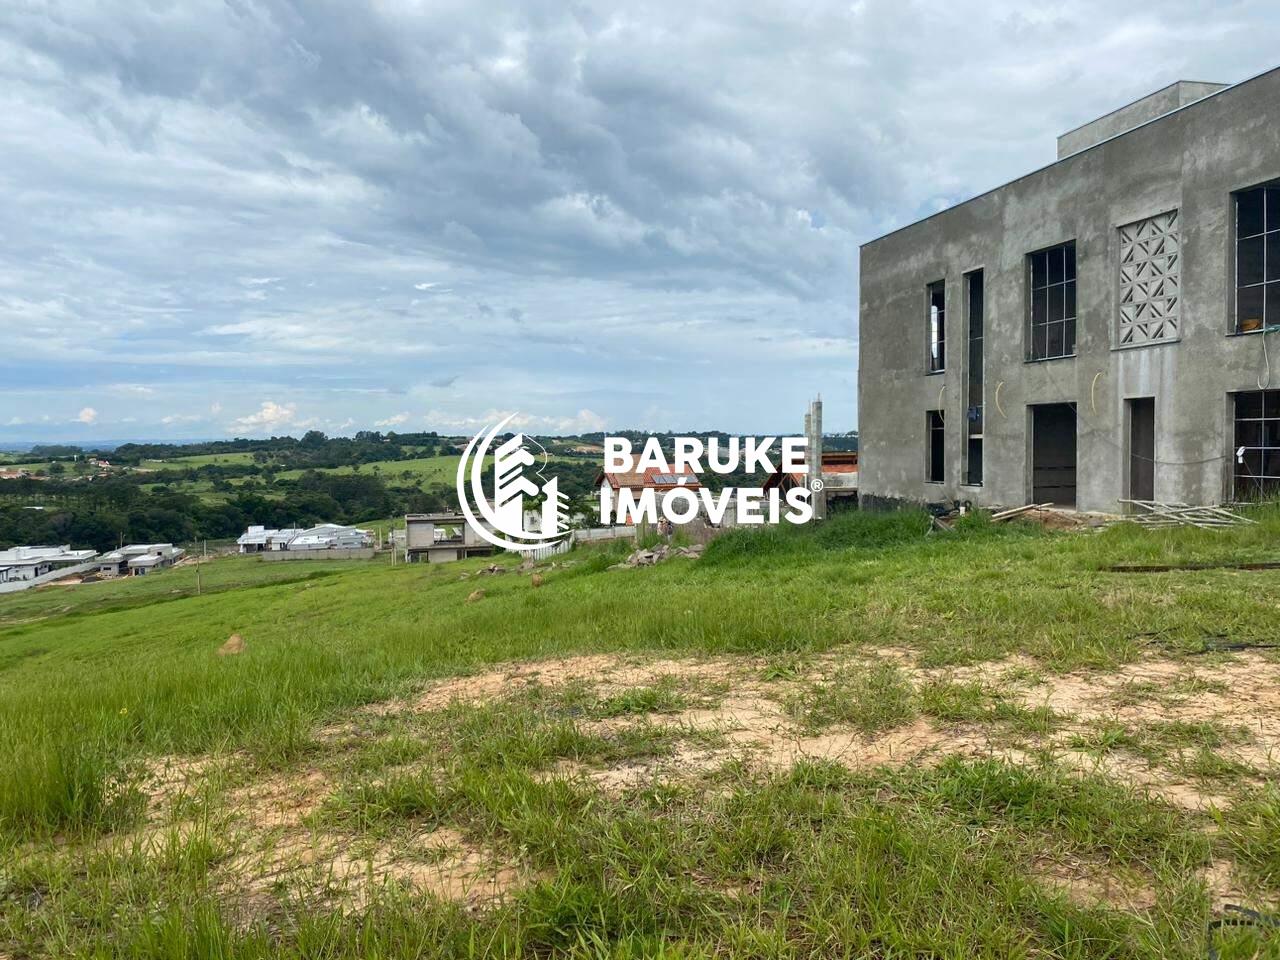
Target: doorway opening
1142, 448
1053, 454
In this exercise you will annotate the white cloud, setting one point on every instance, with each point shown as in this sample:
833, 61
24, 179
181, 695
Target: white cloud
392, 421
240, 231
270, 416
87, 415
584, 421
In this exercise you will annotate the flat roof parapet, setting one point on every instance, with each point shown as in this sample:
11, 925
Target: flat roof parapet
1123, 119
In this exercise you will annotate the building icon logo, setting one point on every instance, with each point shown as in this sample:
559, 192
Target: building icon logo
501, 520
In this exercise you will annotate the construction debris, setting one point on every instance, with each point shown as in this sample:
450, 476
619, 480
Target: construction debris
1156, 513
647, 558
1009, 514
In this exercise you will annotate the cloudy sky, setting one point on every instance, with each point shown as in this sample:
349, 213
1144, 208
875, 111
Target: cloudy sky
251, 217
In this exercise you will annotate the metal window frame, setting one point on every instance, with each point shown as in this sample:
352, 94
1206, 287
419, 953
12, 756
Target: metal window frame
1270, 413
966, 280
1236, 239
1030, 325
929, 341
930, 430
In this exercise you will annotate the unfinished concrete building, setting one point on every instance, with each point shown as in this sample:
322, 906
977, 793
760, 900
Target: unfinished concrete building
1094, 331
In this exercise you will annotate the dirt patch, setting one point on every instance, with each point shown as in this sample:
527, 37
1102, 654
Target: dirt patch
168, 779
281, 801
349, 873
1091, 884
607, 673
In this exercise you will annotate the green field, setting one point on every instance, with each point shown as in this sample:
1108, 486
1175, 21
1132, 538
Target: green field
855, 740
423, 470
231, 459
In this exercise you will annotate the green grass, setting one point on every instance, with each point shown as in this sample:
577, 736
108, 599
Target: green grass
214, 576
236, 458
815, 861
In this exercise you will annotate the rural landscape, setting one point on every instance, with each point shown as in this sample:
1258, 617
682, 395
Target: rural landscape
858, 738
665, 481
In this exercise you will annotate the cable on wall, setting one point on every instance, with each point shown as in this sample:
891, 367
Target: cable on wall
1102, 434
998, 407
1093, 393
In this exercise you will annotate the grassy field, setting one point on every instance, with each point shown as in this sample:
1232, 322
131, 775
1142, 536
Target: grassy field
856, 740
231, 459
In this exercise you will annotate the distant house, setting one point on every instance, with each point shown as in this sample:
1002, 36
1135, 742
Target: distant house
330, 536
138, 558
325, 536
839, 477
442, 537
30, 563
651, 479
254, 540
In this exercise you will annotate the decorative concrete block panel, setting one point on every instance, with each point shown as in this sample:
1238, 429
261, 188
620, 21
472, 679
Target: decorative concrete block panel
1150, 267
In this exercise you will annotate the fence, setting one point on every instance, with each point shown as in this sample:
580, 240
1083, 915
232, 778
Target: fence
550, 550
341, 553
619, 532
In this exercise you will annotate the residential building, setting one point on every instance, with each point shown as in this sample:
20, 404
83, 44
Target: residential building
23, 564
139, 558
1094, 331
325, 536
329, 536
839, 477
650, 479
443, 537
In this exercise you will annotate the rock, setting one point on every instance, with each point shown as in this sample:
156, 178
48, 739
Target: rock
233, 646
536, 580
475, 595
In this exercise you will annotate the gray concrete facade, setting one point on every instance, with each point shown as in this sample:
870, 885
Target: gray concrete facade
1191, 160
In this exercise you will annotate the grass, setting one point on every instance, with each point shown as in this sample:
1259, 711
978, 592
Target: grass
816, 860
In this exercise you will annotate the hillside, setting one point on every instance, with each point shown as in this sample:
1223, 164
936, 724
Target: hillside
852, 740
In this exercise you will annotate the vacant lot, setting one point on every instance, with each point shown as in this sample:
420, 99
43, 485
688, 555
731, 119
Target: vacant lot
856, 740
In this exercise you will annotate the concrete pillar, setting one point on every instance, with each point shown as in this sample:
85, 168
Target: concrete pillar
813, 436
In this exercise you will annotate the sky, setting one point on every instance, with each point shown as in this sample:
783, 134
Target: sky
258, 217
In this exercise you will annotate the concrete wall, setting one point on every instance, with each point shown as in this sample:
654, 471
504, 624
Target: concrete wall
352, 553
1131, 115
1191, 161
59, 573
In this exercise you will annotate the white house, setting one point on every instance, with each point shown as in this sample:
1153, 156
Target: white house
139, 558
28, 563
